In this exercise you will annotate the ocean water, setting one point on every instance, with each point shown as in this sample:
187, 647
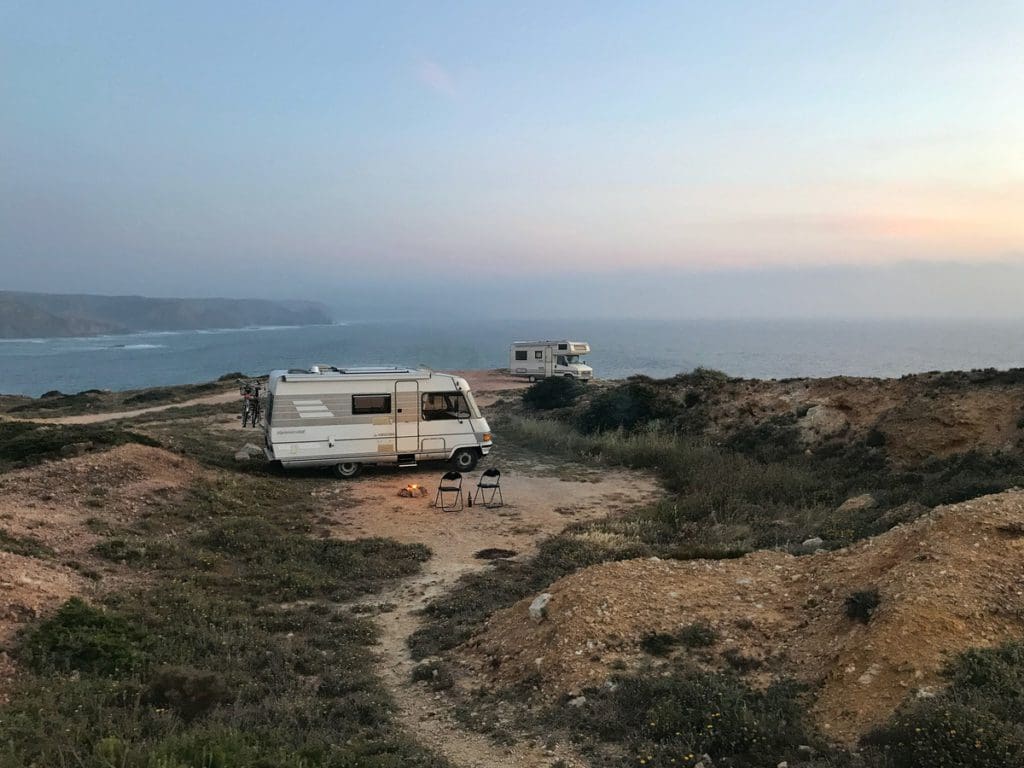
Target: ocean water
769, 349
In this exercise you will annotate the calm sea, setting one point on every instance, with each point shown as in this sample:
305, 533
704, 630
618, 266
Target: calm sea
772, 349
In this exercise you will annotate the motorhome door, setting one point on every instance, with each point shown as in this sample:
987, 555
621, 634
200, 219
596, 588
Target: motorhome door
407, 416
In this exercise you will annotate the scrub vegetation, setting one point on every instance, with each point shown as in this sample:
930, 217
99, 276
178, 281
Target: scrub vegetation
229, 645
730, 492
228, 638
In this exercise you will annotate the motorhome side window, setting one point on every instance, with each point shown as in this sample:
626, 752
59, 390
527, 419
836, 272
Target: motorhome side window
538, 354
444, 405
520, 354
563, 347
367, 405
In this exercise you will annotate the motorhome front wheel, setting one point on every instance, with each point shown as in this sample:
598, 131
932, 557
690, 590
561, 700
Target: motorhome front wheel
347, 469
465, 459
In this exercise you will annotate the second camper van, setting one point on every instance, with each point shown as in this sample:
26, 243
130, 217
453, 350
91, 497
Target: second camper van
540, 359
348, 417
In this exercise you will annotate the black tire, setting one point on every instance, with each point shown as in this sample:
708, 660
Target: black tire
465, 459
347, 469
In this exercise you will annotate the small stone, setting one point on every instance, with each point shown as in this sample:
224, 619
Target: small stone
815, 541
579, 701
539, 607
857, 503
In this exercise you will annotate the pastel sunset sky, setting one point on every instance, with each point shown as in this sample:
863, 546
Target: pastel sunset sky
233, 148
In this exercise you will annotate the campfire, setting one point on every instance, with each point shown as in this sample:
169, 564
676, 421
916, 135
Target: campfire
412, 491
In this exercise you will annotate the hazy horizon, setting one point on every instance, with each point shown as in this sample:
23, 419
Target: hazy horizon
783, 160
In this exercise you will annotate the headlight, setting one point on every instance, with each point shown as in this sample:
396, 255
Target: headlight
487, 437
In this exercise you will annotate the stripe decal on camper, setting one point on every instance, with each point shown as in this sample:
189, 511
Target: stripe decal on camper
312, 409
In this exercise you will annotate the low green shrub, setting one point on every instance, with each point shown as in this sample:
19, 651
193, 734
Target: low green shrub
553, 392
625, 406
54, 401
671, 720
190, 692
698, 635
82, 638
658, 643
861, 605
976, 722
27, 546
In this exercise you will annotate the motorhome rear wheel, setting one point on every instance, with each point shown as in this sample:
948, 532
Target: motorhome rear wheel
347, 469
465, 459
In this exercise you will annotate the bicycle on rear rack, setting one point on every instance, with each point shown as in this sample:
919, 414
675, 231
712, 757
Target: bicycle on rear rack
251, 411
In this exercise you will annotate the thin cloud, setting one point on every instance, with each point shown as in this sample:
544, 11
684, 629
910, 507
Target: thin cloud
436, 78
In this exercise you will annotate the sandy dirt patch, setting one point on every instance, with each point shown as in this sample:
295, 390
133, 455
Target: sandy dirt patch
948, 582
539, 502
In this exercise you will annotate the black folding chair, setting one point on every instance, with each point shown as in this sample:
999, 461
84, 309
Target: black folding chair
490, 481
451, 482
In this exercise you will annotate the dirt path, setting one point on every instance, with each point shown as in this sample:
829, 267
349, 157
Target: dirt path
539, 501
96, 418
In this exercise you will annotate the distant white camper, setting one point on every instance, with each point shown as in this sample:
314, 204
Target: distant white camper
348, 417
540, 359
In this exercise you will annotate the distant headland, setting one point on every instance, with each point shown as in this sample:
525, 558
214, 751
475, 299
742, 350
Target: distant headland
46, 315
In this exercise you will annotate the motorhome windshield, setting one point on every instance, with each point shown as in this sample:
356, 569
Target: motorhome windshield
568, 359
448, 405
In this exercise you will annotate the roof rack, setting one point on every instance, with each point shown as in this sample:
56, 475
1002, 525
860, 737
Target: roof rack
315, 371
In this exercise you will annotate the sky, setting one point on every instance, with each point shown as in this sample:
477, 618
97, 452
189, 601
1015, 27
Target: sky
727, 158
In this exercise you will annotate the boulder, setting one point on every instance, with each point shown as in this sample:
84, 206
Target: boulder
821, 422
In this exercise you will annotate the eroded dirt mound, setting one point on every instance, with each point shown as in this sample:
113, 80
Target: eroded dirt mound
950, 581
52, 515
59, 502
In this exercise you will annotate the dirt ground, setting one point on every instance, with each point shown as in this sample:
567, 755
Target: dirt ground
948, 582
540, 501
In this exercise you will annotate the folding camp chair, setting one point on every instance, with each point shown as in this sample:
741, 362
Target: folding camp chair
489, 481
451, 483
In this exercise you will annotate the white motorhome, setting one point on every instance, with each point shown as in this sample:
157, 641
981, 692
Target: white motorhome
347, 417
540, 359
